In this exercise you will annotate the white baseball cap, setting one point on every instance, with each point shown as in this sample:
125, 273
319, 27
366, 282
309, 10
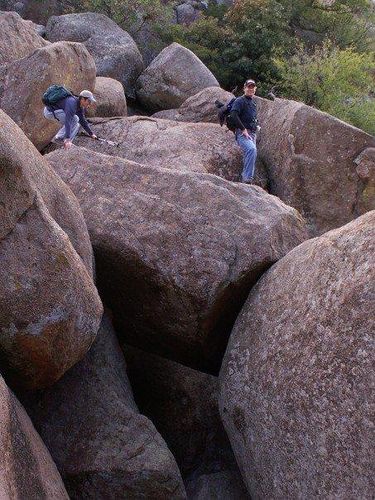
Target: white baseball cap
88, 95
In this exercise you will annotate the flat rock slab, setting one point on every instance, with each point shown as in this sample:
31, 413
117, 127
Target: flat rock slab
49, 307
23, 82
296, 379
98, 438
176, 253
26, 467
312, 160
192, 147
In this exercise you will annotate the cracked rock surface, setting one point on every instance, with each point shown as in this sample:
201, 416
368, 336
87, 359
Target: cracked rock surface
49, 307
96, 435
183, 405
192, 147
296, 381
176, 253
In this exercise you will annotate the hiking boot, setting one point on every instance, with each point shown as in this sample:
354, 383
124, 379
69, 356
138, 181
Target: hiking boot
58, 140
248, 181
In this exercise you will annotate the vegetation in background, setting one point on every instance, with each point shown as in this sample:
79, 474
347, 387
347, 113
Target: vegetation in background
333, 80
315, 51
235, 44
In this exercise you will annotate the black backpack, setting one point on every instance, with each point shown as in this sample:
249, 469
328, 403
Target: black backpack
224, 114
54, 94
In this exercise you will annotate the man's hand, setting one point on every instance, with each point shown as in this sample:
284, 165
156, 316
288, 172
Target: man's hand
67, 143
94, 136
246, 134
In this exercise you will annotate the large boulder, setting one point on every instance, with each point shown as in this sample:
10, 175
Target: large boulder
37, 10
110, 97
96, 435
183, 405
198, 108
19, 155
312, 162
27, 469
296, 379
193, 147
173, 76
18, 38
176, 253
23, 82
49, 307
115, 53
186, 13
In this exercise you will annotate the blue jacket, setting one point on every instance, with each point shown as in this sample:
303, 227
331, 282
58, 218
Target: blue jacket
244, 113
70, 105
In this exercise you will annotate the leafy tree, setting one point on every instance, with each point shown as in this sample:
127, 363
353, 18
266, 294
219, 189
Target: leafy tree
238, 43
337, 81
344, 22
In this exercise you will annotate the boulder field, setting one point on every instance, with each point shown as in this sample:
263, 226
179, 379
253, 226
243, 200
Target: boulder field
176, 252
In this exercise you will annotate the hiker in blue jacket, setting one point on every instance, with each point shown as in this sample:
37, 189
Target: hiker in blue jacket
244, 117
70, 111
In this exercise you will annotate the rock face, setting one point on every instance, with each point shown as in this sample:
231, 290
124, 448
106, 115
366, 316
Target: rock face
217, 486
27, 469
188, 147
176, 253
110, 96
148, 41
24, 81
37, 10
173, 76
113, 49
186, 13
366, 172
311, 162
295, 382
198, 108
183, 405
49, 307
93, 429
18, 38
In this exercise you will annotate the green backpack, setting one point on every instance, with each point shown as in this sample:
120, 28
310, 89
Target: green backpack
54, 94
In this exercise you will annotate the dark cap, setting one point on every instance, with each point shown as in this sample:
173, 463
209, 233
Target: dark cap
250, 82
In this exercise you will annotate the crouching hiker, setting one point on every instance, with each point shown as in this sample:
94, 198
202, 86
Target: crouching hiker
62, 105
244, 117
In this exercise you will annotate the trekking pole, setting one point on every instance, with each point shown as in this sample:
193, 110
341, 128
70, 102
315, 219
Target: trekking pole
107, 141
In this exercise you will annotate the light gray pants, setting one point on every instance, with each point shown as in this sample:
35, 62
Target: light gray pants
60, 115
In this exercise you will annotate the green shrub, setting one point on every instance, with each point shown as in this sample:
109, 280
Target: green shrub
337, 81
237, 43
